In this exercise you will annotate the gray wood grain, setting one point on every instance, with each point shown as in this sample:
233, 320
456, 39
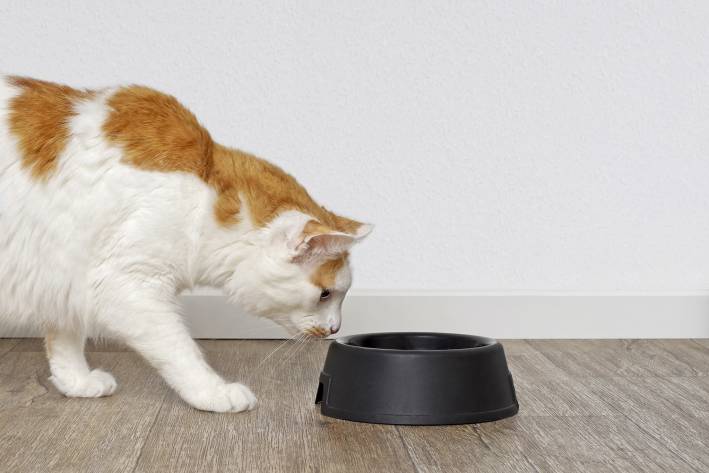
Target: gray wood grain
617, 405
692, 355
517, 347
685, 436
559, 397
285, 433
548, 444
43, 431
102, 345
608, 443
461, 449
29, 344
6, 345
687, 396
545, 389
627, 358
675, 411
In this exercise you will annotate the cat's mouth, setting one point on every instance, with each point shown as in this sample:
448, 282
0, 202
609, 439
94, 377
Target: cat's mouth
317, 332
308, 325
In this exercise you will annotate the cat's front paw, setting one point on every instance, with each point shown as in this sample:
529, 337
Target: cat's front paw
224, 397
96, 383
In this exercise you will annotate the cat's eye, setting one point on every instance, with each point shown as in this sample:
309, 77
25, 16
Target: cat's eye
325, 294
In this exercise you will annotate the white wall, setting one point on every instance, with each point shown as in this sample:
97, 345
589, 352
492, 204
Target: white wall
498, 146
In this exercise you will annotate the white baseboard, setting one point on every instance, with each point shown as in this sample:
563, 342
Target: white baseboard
498, 315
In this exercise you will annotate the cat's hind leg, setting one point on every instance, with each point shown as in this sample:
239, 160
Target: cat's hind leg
71, 374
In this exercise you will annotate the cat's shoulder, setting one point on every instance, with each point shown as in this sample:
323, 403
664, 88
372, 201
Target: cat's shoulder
156, 131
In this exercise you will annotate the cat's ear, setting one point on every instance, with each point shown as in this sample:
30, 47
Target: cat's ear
352, 227
363, 230
319, 241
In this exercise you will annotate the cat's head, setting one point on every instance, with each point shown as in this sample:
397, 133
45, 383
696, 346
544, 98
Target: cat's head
297, 273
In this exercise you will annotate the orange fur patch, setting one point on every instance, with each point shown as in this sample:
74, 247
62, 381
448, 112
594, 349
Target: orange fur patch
267, 189
157, 133
39, 119
326, 274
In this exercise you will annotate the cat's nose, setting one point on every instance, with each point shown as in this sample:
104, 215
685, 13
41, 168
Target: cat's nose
334, 326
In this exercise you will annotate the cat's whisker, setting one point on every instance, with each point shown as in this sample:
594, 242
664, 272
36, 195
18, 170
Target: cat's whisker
291, 351
303, 342
291, 343
281, 345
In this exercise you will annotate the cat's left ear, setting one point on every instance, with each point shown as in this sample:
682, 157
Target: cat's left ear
319, 241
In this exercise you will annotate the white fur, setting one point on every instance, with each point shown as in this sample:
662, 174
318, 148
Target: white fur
102, 248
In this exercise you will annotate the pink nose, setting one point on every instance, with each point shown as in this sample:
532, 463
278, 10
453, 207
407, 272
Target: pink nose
333, 324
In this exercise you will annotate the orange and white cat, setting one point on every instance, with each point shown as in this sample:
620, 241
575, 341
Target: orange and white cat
113, 201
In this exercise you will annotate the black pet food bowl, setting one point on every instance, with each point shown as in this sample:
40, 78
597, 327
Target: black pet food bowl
416, 379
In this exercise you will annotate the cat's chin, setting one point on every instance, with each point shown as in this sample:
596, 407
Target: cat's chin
294, 332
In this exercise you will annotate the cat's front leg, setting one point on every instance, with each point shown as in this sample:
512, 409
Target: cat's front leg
71, 374
159, 335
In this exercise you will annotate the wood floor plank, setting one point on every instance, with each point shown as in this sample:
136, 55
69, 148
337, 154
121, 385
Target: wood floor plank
573, 416
517, 347
544, 389
596, 444
285, 433
599, 358
42, 431
700, 385
653, 396
672, 410
547, 444
233, 345
102, 345
558, 397
694, 356
21, 379
105, 345
533, 365
29, 344
7, 344
460, 449
685, 436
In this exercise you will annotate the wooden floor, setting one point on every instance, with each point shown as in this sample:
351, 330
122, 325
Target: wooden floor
618, 405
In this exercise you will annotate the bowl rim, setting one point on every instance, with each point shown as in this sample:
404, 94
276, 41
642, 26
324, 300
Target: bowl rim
489, 343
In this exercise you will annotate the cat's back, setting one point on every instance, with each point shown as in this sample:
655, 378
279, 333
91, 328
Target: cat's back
56, 140
53, 160
36, 123
40, 122
46, 185
75, 166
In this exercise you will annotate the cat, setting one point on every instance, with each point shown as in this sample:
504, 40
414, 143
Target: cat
113, 201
